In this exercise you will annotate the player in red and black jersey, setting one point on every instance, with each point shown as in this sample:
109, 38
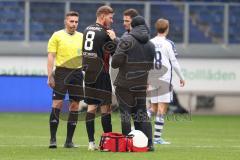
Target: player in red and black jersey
97, 48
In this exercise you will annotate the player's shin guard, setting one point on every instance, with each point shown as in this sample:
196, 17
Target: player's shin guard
159, 123
90, 126
53, 122
150, 113
106, 122
71, 125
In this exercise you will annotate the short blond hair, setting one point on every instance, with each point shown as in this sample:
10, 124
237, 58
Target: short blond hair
162, 25
104, 10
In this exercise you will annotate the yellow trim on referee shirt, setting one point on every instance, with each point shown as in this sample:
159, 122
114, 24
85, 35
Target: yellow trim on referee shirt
68, 49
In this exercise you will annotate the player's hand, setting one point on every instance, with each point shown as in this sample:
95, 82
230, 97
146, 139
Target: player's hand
50, 81
111, 34
182, 83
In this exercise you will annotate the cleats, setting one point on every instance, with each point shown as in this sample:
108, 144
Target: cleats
161, 141
69, 145
92, 146
53, 143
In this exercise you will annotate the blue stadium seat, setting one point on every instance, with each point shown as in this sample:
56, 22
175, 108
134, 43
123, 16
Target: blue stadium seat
175, 17
208, 16
234, 24
196, 36
12, 20
46, 17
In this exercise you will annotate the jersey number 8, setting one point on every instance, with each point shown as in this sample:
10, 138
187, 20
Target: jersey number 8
158, 58
88, 45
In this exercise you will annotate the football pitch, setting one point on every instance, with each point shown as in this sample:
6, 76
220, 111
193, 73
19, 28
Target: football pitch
26, 136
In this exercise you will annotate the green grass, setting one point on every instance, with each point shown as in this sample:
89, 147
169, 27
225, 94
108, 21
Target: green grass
26, 136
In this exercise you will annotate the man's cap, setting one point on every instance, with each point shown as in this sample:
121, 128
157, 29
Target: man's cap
138, 20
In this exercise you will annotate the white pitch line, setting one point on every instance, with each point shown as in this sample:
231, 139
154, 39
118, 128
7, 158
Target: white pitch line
23, 145
198, 146
40, 137
83, 145
27, 136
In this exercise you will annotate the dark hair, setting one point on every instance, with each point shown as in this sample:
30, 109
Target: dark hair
104, 10
72, 13
131, 12
162, 25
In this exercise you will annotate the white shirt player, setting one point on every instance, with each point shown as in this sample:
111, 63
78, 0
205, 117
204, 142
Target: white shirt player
164, 63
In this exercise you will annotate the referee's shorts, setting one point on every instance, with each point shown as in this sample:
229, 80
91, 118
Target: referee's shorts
100, 92
68, 81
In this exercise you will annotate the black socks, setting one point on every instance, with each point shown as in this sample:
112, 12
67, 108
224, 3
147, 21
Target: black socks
90, 126
53, 122
106, 122
71, 125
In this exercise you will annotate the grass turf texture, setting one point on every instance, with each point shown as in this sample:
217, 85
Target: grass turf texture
26, 136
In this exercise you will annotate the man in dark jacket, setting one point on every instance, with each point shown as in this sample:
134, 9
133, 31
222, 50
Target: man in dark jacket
134, 58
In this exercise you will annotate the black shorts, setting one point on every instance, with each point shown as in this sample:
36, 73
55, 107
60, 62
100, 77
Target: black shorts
68, 81
100, 92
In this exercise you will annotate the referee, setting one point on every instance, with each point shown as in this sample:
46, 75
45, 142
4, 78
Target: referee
65, 51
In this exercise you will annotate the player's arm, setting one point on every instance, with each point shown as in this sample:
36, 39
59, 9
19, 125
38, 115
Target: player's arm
50, 65
52, 50
176, 66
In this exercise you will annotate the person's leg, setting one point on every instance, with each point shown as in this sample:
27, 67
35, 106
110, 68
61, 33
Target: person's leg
159, 123
106, 118
106, 89
90, 126
74, 84
152, 107
143, 119
58, 95
125, 118
125, 100
90, 119
54, 121
72, 123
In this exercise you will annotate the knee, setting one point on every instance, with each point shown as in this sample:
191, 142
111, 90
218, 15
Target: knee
74, 106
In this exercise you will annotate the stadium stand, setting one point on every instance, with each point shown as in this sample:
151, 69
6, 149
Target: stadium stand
234, 24
209, 20
175, 17
11, 20
206, 20
45, 18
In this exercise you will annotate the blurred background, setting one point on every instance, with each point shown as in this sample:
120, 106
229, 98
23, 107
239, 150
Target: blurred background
206, 33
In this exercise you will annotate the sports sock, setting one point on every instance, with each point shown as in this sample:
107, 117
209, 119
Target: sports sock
53, 122
90, 126
106, 122
71, 125
159, 123
150, 113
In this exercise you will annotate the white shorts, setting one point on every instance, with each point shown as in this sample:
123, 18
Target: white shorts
160, 95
